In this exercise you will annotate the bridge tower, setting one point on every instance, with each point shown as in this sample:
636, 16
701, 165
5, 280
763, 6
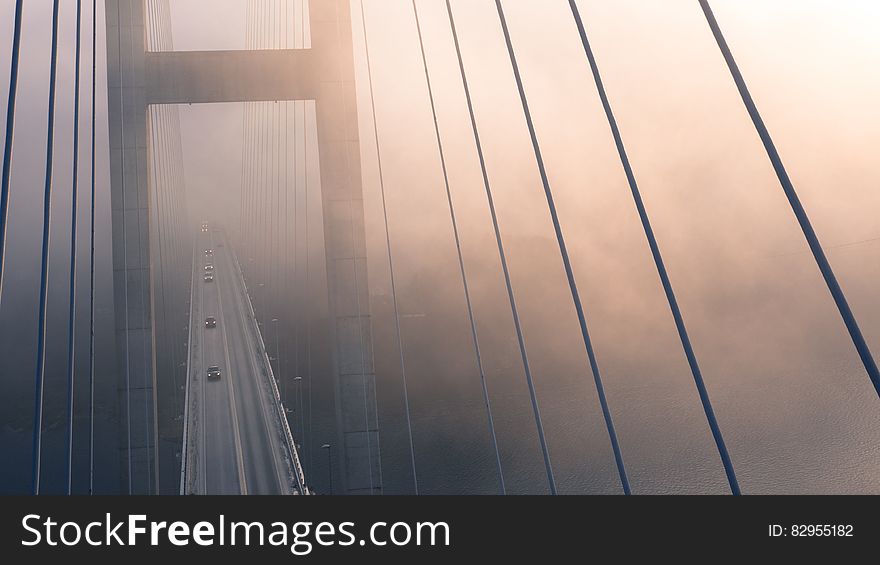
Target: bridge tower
149, 410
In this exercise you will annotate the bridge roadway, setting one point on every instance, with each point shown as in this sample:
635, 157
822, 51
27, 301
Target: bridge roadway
236, 442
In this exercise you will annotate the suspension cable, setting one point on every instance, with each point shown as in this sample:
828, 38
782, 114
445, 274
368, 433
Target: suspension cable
566, 261
514, 310
44, 269
658, 258
390, 257
92, 256
10, 134
71, 328
467, 295
797, 207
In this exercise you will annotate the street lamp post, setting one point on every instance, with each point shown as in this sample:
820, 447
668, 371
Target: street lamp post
328, 447
259, 296
278, 359
298, 402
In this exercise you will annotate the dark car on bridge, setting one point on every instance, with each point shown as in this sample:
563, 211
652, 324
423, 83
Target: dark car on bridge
209, 278
211, 322
214, 373
209, 268
209, 252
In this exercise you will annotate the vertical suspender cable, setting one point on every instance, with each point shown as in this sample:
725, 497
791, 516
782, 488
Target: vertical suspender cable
157, 264
264, 185
247, 161
263, 153
284, 248
182, 210
292, 249
171, 218
175, 210
302, 291
412, 452
169, 234
258, 177
264, 176
308, 286
362, 344
163, 185
467, 294
44, 268
92, 257
71, 328
270, 176
256, 164
797, 207
250, 160
569, 271
10, 134
307, 309
124, 249
168, 185
242, 222
290, 14
147, 362
514, 310
261, 170
270, 186
242, 208
658, 258
276, 213
162, 172
275, 204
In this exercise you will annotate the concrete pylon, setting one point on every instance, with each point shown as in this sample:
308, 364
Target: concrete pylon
345, 380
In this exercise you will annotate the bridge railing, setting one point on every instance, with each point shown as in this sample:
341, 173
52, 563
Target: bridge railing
184, 450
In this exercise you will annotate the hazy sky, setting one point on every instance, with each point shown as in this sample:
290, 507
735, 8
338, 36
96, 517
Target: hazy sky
797, 408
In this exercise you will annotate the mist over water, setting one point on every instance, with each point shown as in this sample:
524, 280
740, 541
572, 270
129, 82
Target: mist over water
796, 407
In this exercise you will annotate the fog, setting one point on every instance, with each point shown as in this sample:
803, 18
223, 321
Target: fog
796, 407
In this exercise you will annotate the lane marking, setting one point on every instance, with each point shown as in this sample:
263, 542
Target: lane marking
242, 479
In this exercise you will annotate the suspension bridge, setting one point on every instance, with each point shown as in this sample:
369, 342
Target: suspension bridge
244, 354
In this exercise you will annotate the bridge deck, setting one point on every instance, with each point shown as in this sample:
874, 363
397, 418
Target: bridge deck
236, 441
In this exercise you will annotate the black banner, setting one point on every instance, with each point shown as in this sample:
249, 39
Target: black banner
563, 529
